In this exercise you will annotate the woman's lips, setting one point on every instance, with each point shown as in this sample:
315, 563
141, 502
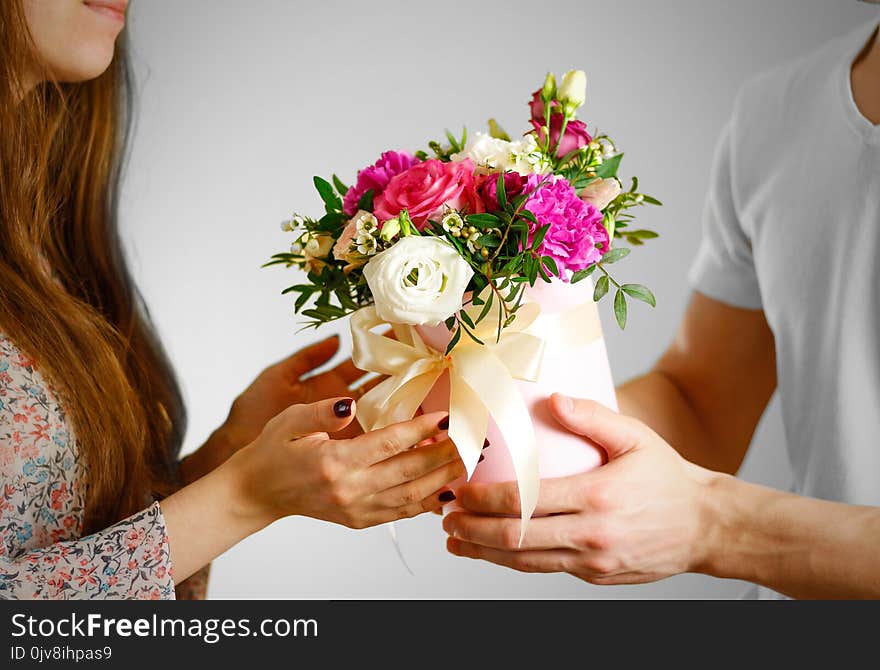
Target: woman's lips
109, 8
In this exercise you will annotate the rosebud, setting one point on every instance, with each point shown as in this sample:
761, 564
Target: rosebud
548, 92
390, 229
573, 91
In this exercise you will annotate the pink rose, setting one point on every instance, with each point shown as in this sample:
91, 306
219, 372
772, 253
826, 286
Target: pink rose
576, 135
376, 177
514, 185
425, 188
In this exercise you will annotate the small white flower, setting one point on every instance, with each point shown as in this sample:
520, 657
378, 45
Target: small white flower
365, 244
491, 154
419, 281
473, 242
452, 222
296, 248
365, 223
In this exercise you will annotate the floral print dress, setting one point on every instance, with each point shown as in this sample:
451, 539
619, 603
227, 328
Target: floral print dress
42, 493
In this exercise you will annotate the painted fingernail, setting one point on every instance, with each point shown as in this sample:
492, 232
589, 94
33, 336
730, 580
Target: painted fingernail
444, 424
446, 496
485, 443
342, 408
481, 458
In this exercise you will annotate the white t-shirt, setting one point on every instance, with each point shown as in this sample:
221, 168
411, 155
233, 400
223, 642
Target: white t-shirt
792, 226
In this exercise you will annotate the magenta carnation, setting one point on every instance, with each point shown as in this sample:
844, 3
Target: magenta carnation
376, 178
576, 238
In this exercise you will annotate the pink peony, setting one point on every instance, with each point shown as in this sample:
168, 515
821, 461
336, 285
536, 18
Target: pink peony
576, 135
376, 177
426, 187
576, 232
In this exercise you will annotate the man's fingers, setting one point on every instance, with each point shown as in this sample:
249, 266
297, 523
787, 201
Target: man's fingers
324, 416
558, 560
549, 532
557, 496
306, 360
382, 444
615, 433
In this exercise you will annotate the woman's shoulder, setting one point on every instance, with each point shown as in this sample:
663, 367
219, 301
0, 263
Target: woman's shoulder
22, 385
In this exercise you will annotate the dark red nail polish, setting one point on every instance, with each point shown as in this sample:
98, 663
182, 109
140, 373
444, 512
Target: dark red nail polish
446, 496
444, 424
485, 443
342, 408
481, 458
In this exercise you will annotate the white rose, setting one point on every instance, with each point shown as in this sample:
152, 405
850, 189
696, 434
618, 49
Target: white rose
419, 281
491, 154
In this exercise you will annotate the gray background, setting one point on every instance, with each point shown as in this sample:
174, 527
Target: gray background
241, 103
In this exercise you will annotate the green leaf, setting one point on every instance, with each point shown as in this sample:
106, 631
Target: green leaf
331, 201
539, 236
601, 288
366, 201
483, 220
609, 167
582, 274
453, 143
463, 315
341, 188
615, 255
642, 234
640, 292
456, 336
485, 311
551, 265
500, 191
650, 200
527, 214
496, 131
620, 308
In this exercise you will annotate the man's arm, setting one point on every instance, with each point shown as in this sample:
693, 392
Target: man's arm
649, 513
707, 393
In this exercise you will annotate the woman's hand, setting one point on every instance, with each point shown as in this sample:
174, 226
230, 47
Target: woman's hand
295, 468
277, 387
639, 518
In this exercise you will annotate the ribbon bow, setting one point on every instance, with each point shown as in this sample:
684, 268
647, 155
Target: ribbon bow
481, 381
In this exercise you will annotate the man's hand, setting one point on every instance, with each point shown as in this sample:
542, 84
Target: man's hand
636, 519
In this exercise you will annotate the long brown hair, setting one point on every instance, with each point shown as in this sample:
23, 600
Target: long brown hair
66, 296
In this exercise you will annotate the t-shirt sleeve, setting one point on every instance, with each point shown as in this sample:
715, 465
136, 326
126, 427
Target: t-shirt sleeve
724, 268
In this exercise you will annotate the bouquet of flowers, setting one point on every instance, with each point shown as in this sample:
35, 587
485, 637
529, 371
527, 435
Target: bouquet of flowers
460, 235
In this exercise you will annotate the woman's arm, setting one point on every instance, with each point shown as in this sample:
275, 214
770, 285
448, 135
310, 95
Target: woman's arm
295, 468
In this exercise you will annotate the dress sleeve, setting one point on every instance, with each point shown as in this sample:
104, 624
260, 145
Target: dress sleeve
128, 560
724, 268
42, 488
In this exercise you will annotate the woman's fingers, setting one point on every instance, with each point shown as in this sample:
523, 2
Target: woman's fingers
408, 466
324, 416
348, 371
380, 445
306, 360
409, 489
